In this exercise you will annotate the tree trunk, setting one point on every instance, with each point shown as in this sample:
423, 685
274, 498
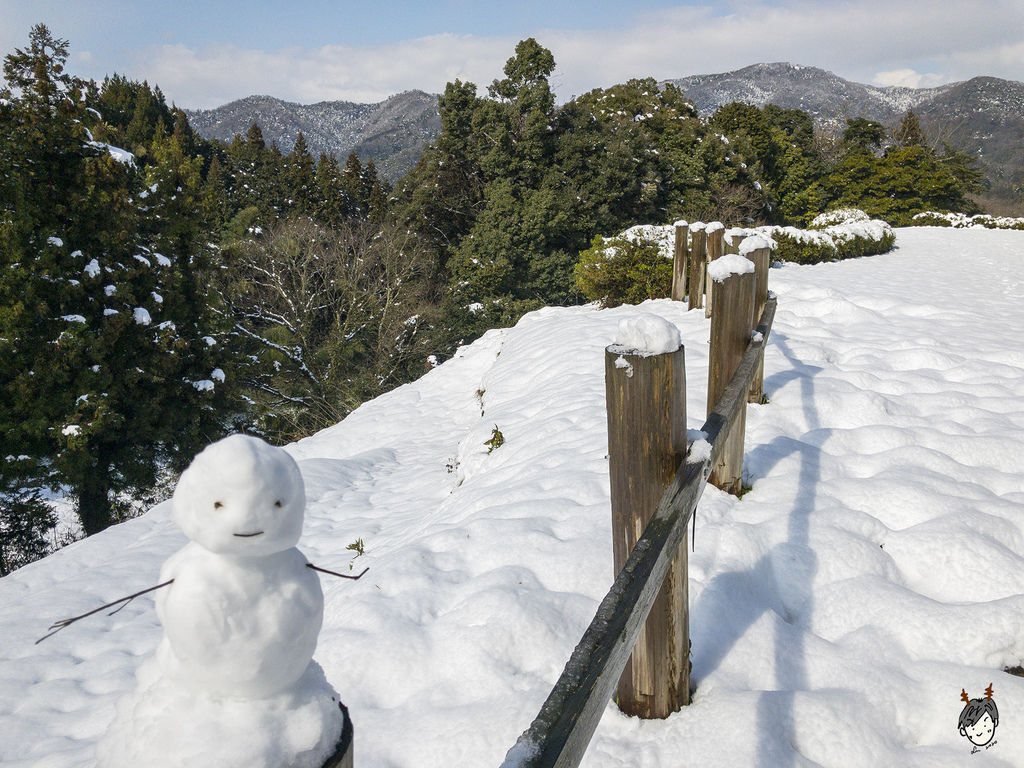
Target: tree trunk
94, 495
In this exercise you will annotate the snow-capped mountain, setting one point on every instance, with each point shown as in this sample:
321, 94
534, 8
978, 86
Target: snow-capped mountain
983, 116
830, 99
392, 133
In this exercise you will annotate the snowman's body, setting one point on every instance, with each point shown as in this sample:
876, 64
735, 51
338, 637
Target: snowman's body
241, 619
213, 647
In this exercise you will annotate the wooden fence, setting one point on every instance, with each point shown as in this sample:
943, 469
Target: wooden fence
651, 511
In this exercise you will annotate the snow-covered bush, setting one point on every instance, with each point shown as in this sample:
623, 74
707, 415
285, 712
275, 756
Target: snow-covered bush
838, 216
637, 264
841, 234
628, 269
963, 221
664, 236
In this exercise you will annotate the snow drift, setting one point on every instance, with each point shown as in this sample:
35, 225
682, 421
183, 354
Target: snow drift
875, 569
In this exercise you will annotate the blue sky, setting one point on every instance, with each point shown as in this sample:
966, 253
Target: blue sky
203, 54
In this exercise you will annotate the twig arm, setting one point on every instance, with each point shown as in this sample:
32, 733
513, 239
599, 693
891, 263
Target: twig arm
57, 626
335, 573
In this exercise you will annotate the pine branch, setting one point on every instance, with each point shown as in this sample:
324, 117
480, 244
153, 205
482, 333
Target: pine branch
57, 626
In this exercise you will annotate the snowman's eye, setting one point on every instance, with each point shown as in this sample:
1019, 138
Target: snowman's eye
277, 503
217, 505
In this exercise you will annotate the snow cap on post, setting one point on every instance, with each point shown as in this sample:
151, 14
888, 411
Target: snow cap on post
646, 335
722, 268
753, 243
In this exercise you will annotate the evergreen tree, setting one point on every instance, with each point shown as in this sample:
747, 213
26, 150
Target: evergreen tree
332, 204
444, 193
256, 184
215, 204
26, 521
379, 191
300, 181
514, 188
94, 387
493, 261
909, 133
354, 186
525, 108
863, 136
183, 133
901, 183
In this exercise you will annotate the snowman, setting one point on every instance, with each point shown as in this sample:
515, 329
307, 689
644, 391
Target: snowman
233, 681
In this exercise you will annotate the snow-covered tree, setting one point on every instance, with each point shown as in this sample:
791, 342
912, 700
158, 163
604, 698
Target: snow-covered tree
105, 381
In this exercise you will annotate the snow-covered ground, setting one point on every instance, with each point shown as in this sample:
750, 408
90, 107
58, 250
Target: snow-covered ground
875, 569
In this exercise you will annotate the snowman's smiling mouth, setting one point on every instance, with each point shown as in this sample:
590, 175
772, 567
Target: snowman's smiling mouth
248, 535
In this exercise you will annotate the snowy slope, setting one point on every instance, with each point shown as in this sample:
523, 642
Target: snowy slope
875, 569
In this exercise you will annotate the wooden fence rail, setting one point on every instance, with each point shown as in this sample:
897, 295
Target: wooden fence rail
561, 732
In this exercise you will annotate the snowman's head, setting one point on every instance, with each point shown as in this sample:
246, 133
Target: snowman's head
241, 496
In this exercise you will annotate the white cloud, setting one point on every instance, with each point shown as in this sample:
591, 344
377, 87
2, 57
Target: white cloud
889, 42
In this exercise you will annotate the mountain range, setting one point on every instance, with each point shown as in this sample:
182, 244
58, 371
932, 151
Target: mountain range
983, 116
391, 133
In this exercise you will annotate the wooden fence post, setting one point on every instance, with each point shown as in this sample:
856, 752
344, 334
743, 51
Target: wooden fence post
560, 733
679, 264
646, 400
732, 240
715, 234
730, 334
698, 255
757, 250
343, 756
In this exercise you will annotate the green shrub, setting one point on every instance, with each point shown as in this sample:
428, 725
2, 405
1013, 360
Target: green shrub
623, 270
935, 219
865, 246
793, 248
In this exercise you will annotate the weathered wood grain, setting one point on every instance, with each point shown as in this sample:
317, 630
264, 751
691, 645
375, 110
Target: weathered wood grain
679, 263
697, 271
762, 262
715, 245
730, 336
646, 405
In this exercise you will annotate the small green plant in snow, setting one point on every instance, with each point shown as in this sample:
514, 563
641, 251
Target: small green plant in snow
496, 441
357, 547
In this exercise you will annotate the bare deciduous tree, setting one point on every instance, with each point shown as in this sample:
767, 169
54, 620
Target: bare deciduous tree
330, 316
